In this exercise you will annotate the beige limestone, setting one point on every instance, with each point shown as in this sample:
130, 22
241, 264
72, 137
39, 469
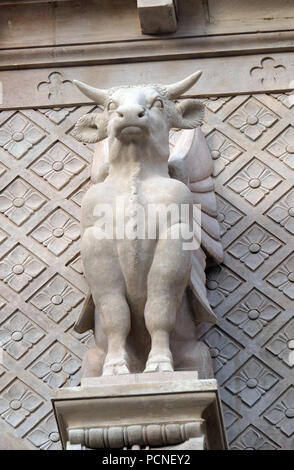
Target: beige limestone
10, 442
217, 53
157, 17
123, 411
142, 308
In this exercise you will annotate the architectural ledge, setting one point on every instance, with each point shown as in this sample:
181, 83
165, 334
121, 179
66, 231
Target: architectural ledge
144, 50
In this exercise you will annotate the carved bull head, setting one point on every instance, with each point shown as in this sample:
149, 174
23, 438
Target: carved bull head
133, 113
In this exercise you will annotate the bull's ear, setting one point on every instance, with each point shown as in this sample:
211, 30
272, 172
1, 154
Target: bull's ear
190, 114
91, 128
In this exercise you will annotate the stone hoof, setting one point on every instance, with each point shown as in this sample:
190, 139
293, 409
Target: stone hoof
161, 365
117, 368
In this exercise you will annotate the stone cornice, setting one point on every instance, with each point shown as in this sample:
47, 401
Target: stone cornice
146, 50
47, 86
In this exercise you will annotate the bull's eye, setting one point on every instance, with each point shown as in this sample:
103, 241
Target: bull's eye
157, 103
111, 106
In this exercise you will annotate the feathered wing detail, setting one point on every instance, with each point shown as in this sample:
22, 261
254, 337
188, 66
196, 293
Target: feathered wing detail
99, 171
190, 161
100, 163
85, 319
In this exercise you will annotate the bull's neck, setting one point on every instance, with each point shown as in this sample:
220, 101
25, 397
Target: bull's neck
142, 160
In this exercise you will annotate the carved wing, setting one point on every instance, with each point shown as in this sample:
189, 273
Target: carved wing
191, 162
100, 162
99, 171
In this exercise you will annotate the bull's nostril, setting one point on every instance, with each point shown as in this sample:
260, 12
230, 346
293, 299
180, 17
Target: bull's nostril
141, 114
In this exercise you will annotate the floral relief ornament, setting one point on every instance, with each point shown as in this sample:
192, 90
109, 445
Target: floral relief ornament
230, 417
77, 197
254, 182
268, 72
221, 348
282, 345
283, 212
18, 335
251, 440
252, 119
228, 216
253, 313
86, 338
252, 381
57, 299
45, 436
19, 268
56, 367
223, 151
220, 283
17, 403
286, 98
254, 247
214, 103
283, 278
58, 165
57, 115
281, 414
19, 201
56, 86
283, 147
18, 135
57, 232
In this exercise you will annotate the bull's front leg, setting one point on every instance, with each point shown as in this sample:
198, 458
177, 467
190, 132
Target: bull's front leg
167, 280
106, 281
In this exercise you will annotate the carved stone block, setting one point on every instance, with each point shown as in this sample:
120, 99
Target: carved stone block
157, 17
173, 410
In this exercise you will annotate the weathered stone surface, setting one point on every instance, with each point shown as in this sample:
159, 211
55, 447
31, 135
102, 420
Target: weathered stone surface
8, 441
149, 324
157, 17
142, 410
43, 87
246, 302
254, 308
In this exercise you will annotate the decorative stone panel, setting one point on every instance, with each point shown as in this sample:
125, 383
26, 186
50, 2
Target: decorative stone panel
18, 135
17, 402
18, 335
251, 382
252, 119
253, 313
43, 287
19, 201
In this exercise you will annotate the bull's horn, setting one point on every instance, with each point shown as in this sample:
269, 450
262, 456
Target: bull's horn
177, 89
95, 94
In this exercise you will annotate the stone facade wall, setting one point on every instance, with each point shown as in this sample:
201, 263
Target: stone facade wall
45, 173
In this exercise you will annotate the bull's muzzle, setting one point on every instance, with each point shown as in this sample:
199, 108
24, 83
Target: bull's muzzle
131, 121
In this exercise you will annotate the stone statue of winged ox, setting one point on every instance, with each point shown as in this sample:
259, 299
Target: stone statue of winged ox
146, 294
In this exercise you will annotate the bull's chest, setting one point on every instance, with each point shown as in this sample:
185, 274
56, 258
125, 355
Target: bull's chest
132, 202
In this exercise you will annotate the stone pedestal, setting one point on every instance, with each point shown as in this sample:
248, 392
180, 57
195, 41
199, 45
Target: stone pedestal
172, 410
